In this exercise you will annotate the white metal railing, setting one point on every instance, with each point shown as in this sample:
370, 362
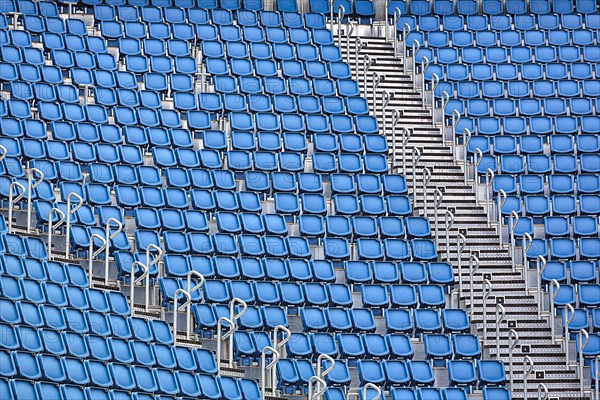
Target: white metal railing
279, 345
265, 368
13, 199
31, 185
232, 325
437, 201
108, 236
582, 344
53, 226
92, 254
500, 318
449, 222
528, 366
416, 157
473, 266
135, 280
71, 211
569, 313
513, 342
487, 291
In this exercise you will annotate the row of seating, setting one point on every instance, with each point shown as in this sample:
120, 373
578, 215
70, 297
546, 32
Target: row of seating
492, 7
563, 249
91, 376
288, 294
541, 206
199, 15
521, 89
111, 349
558, 226
395, 296
543, 21
264, 318
559, 148
460, 373
445, 393
587, 141
581, 320
247, 268
570, 271
505, 38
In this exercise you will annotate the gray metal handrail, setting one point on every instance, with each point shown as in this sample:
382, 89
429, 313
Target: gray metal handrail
92, 254
52, 226
477, 158
527, 241
416, 157
554, 290
341, 11
190, 289
386, 96
568, 319
12, 201
489, 195
500, 318
582, 333
466, 139
150, 262
134, 281
596, 377
487, 291
416, 46
368, 386
264, 368
528, 366
437, 200
513, 220
358, 47
368, 62
461, 243
320, 372
376, 79
222, 337
321, 386
542, 392
3, 152
406, 29
349, 32
30, 186
108, 236
473, 266
406, 134
280, 346
233, 315
454, 123
424, 66
501, 199
513, 342
71, 211
435, 81
426, 180
540, 266
176, 308
449, 222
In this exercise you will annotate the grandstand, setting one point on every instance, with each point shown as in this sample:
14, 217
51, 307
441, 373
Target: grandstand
288, 199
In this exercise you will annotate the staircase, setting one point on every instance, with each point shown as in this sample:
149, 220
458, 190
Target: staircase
508, 286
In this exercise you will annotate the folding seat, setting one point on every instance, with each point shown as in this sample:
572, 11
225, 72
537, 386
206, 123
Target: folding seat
437, 348
490, 373
561, 248
421, 373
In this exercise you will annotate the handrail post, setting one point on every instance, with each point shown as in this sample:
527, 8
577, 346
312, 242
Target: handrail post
406, 133
426, 180
264, 367
12, 201
473, 266
341, 11
52, 227
150, 262
455, 120
366, 388
233, 316
108, 236
190, 290
513, 222
416, 46
320, 384
540, 266
542, 391
489, 199
349, 32
280, 347
395, 20
368, 61
582, 344
444, 100
424, 66
527, 370
487, 291
30, 186
477, 158
502, 197
597, 377
513, 341
406, 29
568, 319
435, 81
358, 46
92, 254
527, 242
221, 337
177, 308
437, 200
331, 4
461, 242
466, 139
416, 157
500, 317
449, 222
554, 290
385, 100
134, 281
377, 79
71, 211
